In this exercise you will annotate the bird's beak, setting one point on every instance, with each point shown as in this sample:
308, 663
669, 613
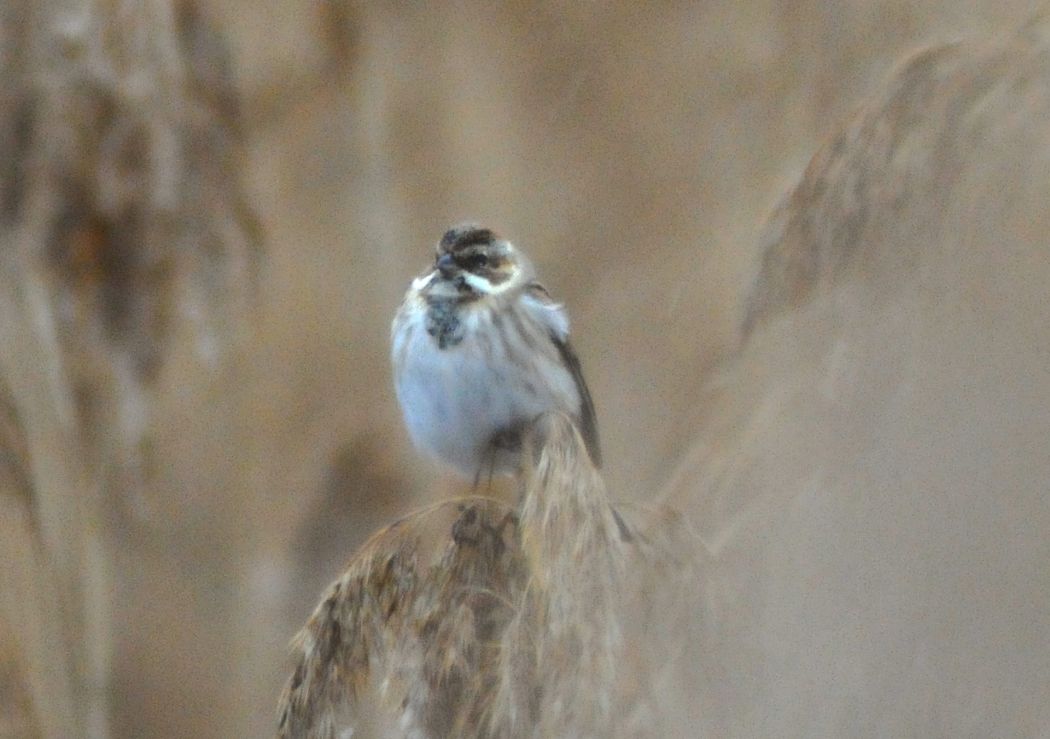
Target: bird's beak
446, 266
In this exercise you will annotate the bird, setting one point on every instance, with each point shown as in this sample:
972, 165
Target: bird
479, 350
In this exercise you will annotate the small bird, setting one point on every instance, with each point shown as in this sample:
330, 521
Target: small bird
480, 349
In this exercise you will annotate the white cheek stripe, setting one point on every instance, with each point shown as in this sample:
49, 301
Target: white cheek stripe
481, 285
477, 283
420, 282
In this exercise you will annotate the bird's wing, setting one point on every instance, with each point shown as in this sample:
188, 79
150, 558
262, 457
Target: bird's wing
553, 316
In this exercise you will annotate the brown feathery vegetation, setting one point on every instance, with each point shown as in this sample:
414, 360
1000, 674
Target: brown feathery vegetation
863, 476
471, 618
882, 191
119, 215
867, 462
870, 474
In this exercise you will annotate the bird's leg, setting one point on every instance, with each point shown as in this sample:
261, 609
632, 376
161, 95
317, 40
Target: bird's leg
492, 468
488, 455
522, 486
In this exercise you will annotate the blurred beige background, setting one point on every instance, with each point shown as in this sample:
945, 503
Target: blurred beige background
635, 151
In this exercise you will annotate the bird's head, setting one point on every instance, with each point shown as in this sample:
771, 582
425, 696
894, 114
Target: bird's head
476, 262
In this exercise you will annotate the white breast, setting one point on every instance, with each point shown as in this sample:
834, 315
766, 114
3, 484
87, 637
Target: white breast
456, 399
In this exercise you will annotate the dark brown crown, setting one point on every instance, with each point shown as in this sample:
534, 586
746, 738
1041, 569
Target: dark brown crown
464, 236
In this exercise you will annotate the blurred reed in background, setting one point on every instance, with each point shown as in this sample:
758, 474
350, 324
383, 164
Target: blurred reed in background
198, 433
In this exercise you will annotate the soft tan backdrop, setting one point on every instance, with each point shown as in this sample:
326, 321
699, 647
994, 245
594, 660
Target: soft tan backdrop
635, 151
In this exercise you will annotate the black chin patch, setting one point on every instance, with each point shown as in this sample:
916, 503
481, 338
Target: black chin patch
443, 324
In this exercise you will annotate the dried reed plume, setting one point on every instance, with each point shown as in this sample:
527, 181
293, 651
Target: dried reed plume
470, 618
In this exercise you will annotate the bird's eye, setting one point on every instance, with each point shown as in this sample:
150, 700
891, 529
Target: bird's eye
475, 260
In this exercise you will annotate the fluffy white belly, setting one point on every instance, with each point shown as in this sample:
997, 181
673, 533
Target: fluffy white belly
456, 399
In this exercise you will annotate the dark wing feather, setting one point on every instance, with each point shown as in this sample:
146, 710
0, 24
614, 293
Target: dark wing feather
588, 422
557, 329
